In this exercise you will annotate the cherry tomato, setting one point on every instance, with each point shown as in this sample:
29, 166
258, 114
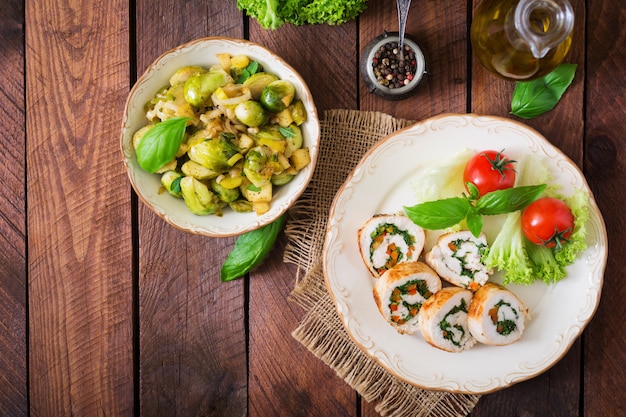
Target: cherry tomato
548, 222
490, 171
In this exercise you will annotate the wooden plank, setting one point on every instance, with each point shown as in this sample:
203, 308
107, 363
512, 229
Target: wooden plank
192, 326
555, 392
80, 304
439, 28
285, 378
13, 373
604, 354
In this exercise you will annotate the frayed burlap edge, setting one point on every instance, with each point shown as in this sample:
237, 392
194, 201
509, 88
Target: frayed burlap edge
345, 137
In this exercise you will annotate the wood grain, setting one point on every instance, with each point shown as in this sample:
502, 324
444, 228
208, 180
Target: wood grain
192, 327
556, 392
286, 379
107, 310
605, 144
13, 323
444, 89
79, 236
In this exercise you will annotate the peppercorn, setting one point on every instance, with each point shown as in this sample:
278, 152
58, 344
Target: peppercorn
390, 70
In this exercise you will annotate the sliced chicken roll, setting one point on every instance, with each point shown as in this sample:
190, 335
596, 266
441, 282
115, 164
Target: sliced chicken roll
386, 240
457, 258
496, 316
443, 320
400, 292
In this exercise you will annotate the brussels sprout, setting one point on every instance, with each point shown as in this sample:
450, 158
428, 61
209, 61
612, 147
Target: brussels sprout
198, 198
251, 113
257, 82
294, 139
171, 104
282, 178
183, 74
260, 164
194, 169
198, 88
171, 182
241, 206
298, 112
254, 166
160, 95
225, 194
277, 95
214, 154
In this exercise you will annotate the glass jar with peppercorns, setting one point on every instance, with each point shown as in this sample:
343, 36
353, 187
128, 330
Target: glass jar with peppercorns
389, 72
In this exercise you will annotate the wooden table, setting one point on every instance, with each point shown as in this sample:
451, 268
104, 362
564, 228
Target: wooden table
107, 310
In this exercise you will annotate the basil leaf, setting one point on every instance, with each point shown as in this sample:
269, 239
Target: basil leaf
439, 214
250, 250
287, 132
533, 98
473, 190
508, 200
159, 145
474, 223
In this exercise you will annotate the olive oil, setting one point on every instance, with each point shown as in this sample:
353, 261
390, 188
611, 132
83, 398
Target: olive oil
520, 40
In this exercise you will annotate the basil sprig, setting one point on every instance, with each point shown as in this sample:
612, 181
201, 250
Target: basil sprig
159, 145
250, 250
441, 214
533, 98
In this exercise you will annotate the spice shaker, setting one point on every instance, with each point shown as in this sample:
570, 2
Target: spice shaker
387, 73
520, 40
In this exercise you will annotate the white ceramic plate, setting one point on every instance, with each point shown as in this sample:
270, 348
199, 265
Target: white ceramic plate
203, 52
381, 183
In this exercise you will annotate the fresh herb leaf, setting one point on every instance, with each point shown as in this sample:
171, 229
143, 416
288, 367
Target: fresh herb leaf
287, 132
251, 69
533, 98
175, 185
439, 214
159, 145
250, 249
474, 193
474, 223
508, 200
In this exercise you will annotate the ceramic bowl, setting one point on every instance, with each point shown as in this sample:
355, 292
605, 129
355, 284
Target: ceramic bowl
148, 186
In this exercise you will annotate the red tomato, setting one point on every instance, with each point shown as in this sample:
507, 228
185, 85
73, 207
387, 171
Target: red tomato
490, 171
548, 222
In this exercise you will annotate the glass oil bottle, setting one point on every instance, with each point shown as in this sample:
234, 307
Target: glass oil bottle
520, 40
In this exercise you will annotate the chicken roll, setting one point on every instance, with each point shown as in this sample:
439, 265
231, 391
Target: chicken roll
386, 240
443, 320
496, 316
400, 292
457, 258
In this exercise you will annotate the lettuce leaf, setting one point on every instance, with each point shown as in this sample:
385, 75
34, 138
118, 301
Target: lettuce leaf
271, 14
521, 261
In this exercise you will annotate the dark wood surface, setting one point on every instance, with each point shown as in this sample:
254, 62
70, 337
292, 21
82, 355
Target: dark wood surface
107, 310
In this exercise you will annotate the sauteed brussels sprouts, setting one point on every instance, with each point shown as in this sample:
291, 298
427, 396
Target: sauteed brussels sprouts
241, 136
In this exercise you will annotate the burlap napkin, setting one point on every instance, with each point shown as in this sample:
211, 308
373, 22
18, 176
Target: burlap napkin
345, 136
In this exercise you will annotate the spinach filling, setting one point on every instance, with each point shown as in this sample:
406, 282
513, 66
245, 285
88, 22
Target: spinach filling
394, 254
506, 326
396, 299
456, 245
447, 328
